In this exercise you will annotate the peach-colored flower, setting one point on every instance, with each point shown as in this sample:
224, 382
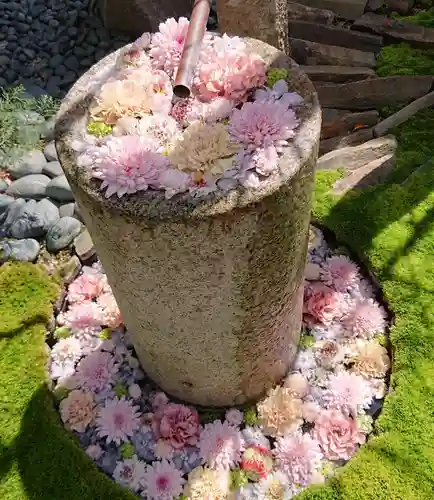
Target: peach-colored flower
371, 360
297, 384
280, 412
78, 410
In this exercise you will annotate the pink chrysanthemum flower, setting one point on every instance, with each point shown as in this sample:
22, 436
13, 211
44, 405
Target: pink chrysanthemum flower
130, 473
210, 112
162, 481
366, 319
263, 124
234, 417
347, 392
83, 318
174, 181
299, 456
164, 129
78, 410
118, 420
64, 355
128, 164
340, 272
337, 434
111, 315
95, 372
221, 445
322, 304
86, 287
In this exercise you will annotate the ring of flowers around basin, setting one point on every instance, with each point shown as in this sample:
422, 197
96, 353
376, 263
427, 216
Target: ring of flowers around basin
296, 436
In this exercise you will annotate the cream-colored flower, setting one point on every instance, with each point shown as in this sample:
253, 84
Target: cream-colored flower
297, 384
204, 483
78, 410
280, 412
204, 148
371, 360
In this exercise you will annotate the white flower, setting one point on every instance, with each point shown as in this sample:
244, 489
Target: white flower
130, 473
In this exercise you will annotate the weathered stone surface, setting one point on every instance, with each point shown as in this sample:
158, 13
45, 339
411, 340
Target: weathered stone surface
24, 250
335, 35
339, 122
84, 247
34, 219
62, 233
31, 186
354, 139
265, 20
351, 158
70, 270
224, 271
9, 215
368, 175
374, 5
31, 163
337, 74
401, 6
397, 31
298, 11
312, 53
67, 210
348, 9
374, 92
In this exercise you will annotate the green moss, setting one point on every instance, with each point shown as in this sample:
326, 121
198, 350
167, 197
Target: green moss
276, 74
424, 18
403, 60
63, 332
99, 129
250, 416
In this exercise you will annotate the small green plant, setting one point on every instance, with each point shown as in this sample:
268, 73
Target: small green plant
127, 450
250, 416
99, 129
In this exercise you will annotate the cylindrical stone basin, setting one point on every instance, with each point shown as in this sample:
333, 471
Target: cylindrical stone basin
210, 288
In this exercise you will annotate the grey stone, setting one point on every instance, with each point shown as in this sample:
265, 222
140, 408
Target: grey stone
29, 118
60, 71
3, 185
84, 246
5, 202
55, 61
4, 60
71, 62
52, 169
31, 163
34, 219
47, 132
59, 189
11, 213
67, 210
24, 250
30, 186
70, 270
61, 234
50, 151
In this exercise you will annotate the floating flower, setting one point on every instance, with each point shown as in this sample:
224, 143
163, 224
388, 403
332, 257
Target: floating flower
207, 484
276, 486
84, 318
312, 271
321, 303
347, 392
78, 410
111, 314
279, 91
253, 436
234, 417
328, 354
94, 451
337, 435
96, 371
366, 319
280, 412
298, 456
174, 181
177, 425
340, 272
305, 362
164, 129
297, 385
64, 355
228, 44
117, 420
86, 287
130, 473
210, 112
370, 360
162, 481
133, 57
221, 445
257, 462
310, 411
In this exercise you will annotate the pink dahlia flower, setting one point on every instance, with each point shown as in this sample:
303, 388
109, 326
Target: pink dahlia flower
177, 425
111, 315
337, 435
86, 287
118, 420
366, 319
230, 75
128, 164
321, 304
263, 124
299, 456
162, 481
95, 372
347, 392
340, 272
221, 445
83, 318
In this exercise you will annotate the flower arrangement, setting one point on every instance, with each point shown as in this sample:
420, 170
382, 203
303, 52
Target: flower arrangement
231, 131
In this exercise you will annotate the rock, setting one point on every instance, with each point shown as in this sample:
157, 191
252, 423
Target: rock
52, 169
59, 189
335, 35
312, 53
31, 163
337, 74
5, 202
70, 270
9, 215
72, 63
298, 11
34, 219
354, 139
67, 210
31, 90
29, 118
30, 186
50, 151
340, 122
374, 92
61, 234
354, 157
48, 129
3, 185
374, 5
348, 9
25, 250
84, 246
397, 31
401, 6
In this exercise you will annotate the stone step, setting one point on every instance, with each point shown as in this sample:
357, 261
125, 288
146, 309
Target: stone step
397, 31
374, 92
337, 74
348, 9
354, 139
312, 53
335, 35
338, 122
298, 11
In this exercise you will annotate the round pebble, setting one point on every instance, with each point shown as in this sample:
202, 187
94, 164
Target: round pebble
59, 189
31, 163
52, 169
31, 186
34, 219
50, 152
62, 234
25, 250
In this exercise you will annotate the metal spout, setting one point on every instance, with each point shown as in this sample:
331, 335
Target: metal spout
190, 54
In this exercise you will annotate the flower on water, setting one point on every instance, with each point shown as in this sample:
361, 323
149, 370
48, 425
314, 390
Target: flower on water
312, 271
310, 411
262, 124
111, 314
328, 354
94, 451
280, 412
64, 355
337, 435
257, 462
86, 287
177, 425
130, 473
174, 181
321, 303
253, 436
228, 44
234, 417
160, 399
95, 372
279, 91
118, 420
133, 57
370, 360
162, 481
210, 112
181, 111
207, 484
340, 272
128, 164
78, 410
134, 391
366, 319
229, 75
143, 41
84, 318
347, 392
164, 129
276, 486
221, 445
305, 362
298, 456
297, 385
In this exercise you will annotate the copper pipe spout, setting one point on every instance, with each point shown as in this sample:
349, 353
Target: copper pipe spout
190, 53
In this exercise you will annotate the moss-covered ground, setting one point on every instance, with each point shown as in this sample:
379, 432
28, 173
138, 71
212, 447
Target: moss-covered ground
390, 227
